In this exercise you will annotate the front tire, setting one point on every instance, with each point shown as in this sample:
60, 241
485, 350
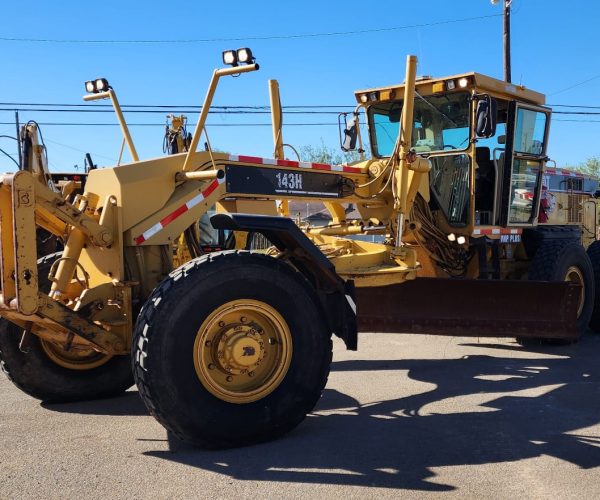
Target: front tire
231, 349
47, 372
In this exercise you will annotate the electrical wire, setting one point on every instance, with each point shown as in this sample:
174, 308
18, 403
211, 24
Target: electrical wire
575, 85
6, 154
78, 124
151, 111
223, 110
573, 106
80, 150
250, 37
169, 106
226, 107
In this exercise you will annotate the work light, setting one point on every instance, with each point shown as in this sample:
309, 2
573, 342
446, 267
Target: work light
230, 57
244, 55
102, 85
96, 86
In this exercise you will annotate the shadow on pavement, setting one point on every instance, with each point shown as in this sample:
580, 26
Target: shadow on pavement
128, 404
396, 443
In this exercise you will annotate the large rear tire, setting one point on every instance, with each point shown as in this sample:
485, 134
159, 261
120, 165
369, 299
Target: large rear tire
45, 371
231, 349
565, 261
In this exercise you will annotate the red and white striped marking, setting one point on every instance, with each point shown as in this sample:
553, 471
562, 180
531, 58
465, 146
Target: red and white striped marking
146, 235
495, 231
295, 164
558, 171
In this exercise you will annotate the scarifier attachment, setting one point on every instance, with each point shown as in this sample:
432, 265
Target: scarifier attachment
478, 308
21, 301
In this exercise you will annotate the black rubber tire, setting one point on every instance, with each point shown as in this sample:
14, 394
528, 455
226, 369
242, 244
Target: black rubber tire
40, 377
551, 262
164, 339
593, 252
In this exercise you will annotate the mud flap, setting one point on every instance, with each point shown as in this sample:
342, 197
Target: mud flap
475, 308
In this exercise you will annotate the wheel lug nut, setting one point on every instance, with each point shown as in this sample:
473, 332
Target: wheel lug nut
243, 319
251, 374
221, 324
229, 378
272, 341
208, 343
211, 366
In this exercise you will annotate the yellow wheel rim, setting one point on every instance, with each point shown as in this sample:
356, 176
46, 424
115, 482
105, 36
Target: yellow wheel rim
242, 351
575, 276
75, 358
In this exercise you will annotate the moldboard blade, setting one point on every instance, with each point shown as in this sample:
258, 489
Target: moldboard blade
476, 308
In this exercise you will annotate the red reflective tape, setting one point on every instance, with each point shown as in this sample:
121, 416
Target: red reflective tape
320, 166
295, 164
250, 159
140, 239
171, 217
213, 185
287, 163
497, 231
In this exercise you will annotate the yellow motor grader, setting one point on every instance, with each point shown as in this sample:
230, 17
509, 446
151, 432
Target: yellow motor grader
234, 347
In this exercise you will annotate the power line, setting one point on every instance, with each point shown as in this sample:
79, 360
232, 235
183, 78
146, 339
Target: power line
223, 111
576, 112
250, 37
572, 106
79, 150
575, 85
74, 124
169, 106
230, 109
578, 121
316, 124
154, 111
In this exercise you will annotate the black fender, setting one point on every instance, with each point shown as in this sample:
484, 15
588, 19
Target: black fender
337, 295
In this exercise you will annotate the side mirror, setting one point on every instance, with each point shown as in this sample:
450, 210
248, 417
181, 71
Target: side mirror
395, 114
486, 116
348, 141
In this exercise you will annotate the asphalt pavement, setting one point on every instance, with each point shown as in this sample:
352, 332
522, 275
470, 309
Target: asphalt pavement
407, 415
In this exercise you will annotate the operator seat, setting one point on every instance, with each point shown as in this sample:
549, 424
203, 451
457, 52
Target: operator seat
485, 177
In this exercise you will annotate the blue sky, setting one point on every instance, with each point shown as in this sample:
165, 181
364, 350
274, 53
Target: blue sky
555, 46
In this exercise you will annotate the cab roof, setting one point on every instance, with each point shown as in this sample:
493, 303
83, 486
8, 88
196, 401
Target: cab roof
481, 83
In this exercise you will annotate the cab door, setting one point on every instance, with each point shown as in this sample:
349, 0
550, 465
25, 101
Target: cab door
527, 137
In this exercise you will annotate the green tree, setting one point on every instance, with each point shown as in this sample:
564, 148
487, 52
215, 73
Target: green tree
325, 154
591, 166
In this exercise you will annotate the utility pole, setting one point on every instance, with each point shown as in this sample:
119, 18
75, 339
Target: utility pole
506, 9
